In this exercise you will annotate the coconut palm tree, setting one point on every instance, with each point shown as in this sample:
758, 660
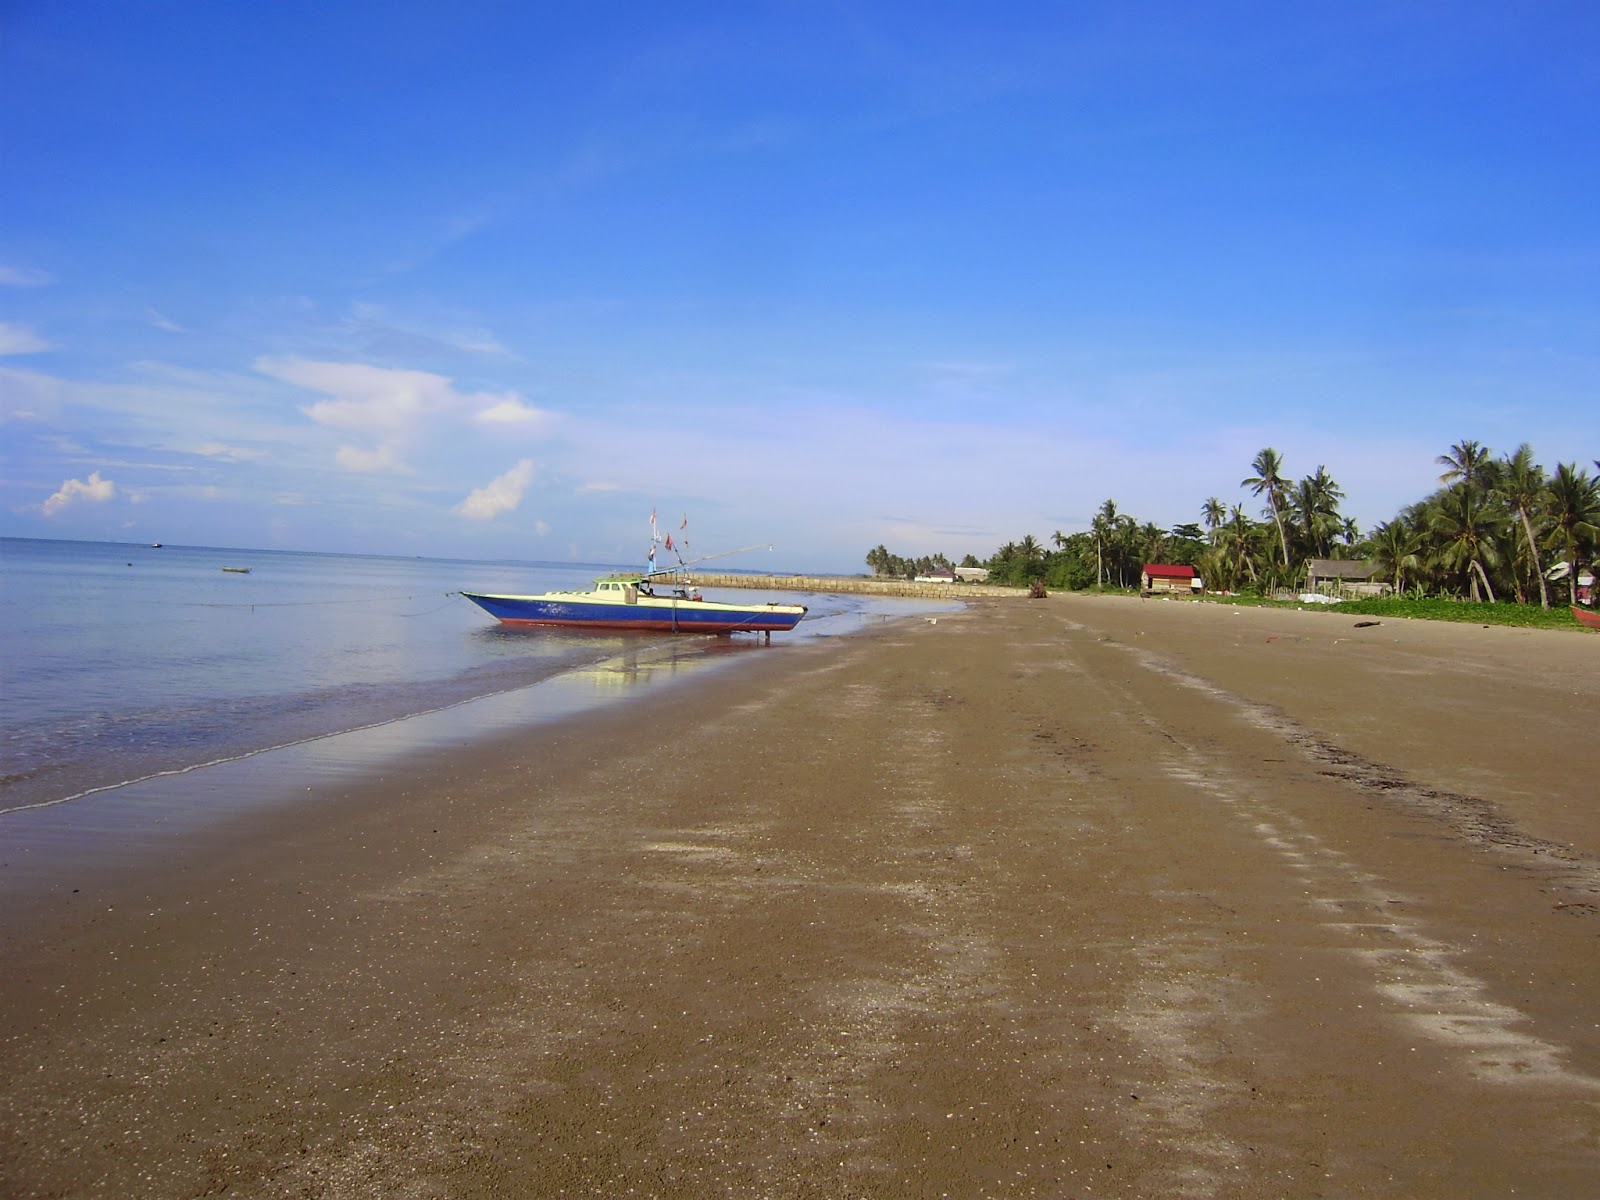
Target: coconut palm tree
1002, 567
1468, 532
1520, 484
1393, 547
1153, 539
1215, 569
1213, 514
1268, 479
1465, 462
1572, 509
1238, 540
1032, 555
1126, 548
1315, 503
1104, 522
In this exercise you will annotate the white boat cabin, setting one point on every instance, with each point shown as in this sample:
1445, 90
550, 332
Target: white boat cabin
624, 590
628, 591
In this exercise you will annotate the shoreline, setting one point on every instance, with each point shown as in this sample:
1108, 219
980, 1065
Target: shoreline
112, 826
160, 746
1079, 897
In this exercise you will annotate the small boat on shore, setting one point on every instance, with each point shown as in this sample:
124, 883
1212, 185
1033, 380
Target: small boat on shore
656, 601
1586, 618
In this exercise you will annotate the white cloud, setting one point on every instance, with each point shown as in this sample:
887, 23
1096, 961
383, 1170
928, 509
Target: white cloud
498, 495
513, 412
366, 462
389, 405
228, 453
94, 489
14, 339
26, 277
162, 321
375, 400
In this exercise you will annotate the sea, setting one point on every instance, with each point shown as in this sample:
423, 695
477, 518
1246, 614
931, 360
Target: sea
146, 685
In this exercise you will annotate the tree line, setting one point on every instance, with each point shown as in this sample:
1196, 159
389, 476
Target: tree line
1490, 531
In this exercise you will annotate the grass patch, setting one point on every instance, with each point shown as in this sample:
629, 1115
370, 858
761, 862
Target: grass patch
1525, 616
1528, 616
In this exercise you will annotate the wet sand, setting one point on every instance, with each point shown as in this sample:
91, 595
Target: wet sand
1074, 897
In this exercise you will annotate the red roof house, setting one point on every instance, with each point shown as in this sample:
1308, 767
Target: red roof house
1159, 578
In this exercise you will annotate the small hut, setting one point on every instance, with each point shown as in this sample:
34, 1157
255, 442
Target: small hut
1160, 579
1344, 578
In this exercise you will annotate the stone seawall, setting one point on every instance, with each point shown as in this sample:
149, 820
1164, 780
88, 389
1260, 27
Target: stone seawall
859, 585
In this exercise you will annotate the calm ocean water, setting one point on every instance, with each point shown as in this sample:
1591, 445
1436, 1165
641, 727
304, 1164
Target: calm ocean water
121, 663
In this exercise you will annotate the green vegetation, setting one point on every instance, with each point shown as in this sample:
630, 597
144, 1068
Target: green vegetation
1479, 613
1527, 616
1479, 548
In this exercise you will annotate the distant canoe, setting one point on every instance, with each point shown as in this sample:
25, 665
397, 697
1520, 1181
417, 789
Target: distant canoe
1589, 620
237, 570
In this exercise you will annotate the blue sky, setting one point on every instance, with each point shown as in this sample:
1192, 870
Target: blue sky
497, 279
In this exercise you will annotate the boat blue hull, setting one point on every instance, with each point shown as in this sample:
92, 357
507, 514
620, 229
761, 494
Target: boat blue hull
662, 615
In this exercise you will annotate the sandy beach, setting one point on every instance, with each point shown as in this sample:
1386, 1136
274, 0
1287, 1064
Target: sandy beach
1077, 897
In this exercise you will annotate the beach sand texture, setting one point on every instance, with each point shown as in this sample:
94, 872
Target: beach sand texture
1070, 897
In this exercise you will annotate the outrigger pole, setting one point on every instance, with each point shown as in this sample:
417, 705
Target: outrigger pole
703, 558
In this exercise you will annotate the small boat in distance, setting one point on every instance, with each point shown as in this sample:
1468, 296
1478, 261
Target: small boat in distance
1589, 620
657, 601
237, 570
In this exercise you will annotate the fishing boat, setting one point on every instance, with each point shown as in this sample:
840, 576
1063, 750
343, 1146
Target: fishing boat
658, 601
1589, 620
237, 570
645, 601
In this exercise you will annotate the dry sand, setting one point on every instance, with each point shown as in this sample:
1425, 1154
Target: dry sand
1072, 897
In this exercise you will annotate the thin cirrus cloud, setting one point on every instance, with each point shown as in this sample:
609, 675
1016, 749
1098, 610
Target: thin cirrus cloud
15, 339
24, 277
226, 453
161, 321
500, 495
